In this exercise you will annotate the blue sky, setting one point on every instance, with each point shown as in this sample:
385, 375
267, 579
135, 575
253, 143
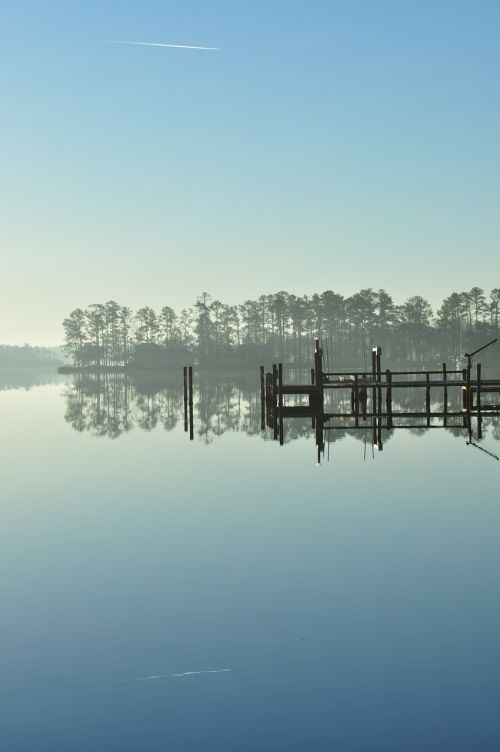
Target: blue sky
328, 145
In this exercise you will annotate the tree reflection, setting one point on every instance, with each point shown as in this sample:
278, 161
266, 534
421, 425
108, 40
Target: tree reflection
112, 404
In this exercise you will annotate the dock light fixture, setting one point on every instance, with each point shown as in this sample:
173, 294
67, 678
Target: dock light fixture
469, 356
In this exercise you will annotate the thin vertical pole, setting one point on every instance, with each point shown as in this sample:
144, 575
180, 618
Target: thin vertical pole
268, 399
428, 397
185, 399
374, 378
318, 372
464, 395
356, 400
275, 401
262, 399
191, 420
445, 395
379, 379
478, 391
388, 397
280, 401
313, 419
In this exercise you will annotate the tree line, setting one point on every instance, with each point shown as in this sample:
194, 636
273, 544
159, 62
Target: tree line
282, 325
24, 356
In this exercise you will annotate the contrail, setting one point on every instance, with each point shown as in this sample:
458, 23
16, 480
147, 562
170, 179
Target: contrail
161, 44
155, 677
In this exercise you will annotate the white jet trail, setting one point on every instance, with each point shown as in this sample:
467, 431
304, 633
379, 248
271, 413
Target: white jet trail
207, 671
162, 44
155, 677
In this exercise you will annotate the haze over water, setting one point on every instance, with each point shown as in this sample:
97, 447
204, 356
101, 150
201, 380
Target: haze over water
227, 593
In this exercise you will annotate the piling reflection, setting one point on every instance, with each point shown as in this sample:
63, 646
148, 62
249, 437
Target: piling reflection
111, 405
378, 403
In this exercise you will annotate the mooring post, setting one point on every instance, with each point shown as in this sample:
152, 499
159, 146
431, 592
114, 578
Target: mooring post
374, 379
428, 397
262, 397
275, 400
465, 397
268, 399
191, 419
478, 402
464, 388
445, 396
388, 397
280, 401
379, 379
185, 399
313, 419
318, 375
356, 400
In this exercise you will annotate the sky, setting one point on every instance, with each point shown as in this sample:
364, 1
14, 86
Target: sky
328, 144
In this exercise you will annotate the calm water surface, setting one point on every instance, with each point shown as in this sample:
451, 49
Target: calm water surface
227, 593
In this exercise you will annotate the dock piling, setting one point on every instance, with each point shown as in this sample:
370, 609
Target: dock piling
191, 419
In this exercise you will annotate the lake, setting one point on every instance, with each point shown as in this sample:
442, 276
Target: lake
227, 593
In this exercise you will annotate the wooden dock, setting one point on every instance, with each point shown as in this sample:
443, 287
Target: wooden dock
371, 396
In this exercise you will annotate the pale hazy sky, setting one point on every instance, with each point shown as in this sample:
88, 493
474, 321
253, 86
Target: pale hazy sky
329, 144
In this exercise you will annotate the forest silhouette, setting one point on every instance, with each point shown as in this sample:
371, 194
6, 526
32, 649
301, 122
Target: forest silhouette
280, 326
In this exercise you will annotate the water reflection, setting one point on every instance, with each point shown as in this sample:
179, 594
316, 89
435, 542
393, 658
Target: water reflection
110, 405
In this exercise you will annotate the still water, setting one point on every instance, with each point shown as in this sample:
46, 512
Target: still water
229, 594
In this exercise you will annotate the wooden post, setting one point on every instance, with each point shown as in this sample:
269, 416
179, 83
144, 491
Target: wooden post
379, 379
318, 370
268, 399
191, 419
374, 379
428, 397
464, 395
275, 401
313, 419
388, 397
185, 399
445, 396
280, 401
478, 390
262, 399
356, 400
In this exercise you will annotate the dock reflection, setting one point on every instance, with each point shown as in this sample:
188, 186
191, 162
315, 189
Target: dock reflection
112, 405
